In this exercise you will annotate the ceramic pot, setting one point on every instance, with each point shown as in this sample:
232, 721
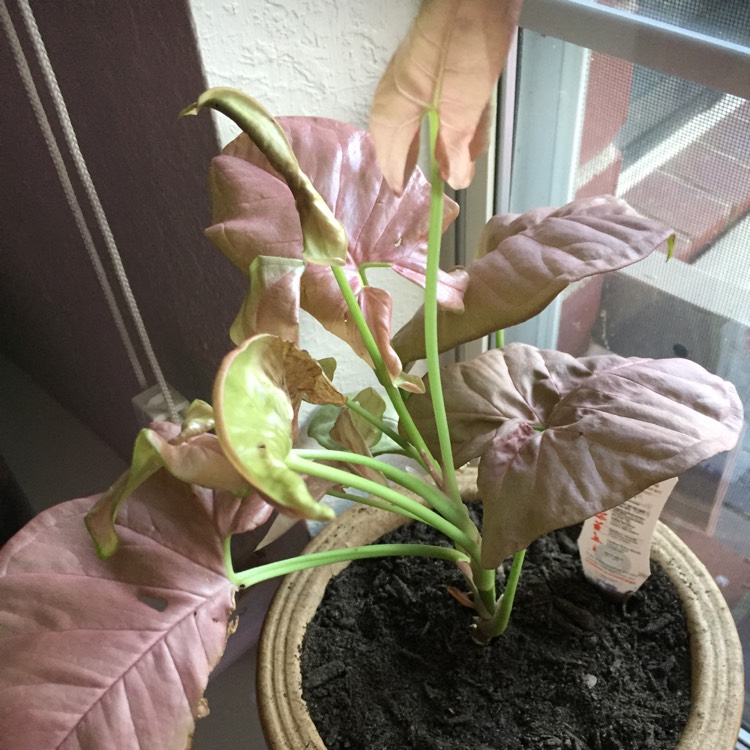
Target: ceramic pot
717, 670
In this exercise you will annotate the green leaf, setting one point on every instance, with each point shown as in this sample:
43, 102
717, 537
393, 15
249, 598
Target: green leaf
199, 419
321, 423
328, 365
100, 520
670, 245
324, 238
255, 394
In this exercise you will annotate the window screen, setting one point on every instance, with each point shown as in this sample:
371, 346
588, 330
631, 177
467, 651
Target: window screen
728, 20
680, 153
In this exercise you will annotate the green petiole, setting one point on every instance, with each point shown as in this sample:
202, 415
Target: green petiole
409, 449
379, 364
509, 595
442, 504
434, 235
363, 269
490, 629
297, 462
317, 559
228, 565
373, 503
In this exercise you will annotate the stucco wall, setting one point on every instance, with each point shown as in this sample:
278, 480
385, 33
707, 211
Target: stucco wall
308, 57
300, 57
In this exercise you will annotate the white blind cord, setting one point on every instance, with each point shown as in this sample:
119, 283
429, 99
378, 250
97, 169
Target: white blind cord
67, 186
73, 203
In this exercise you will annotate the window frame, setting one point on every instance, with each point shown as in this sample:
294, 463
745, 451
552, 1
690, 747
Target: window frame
702, 59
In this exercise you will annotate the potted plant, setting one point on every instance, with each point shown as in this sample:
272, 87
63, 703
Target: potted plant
110, 644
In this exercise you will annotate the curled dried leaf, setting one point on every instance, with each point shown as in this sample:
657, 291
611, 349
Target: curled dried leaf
323, 236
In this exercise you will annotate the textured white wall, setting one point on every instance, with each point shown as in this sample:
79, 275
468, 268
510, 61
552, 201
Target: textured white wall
301, 57
308, 57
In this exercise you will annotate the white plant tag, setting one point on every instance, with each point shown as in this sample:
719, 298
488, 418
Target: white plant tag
615, 546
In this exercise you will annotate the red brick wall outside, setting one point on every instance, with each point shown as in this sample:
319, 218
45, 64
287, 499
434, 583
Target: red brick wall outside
700, 192
704, 189
605, 111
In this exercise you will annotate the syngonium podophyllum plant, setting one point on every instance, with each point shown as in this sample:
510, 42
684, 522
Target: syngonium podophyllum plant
113, 647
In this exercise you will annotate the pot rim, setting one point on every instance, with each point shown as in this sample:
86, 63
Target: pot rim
718, 676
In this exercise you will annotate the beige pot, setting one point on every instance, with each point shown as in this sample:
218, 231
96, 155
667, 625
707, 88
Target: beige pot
717, 681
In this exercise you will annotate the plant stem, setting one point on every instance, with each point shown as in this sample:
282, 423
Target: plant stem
381, 371
458, 536
364, 266
408, 481
317, 559
484, 580
379, 423
392, 434
431, 312
457, 517
373, 503
501, 619
228, 565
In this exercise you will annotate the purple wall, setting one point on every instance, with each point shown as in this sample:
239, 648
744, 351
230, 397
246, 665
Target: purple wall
126, 69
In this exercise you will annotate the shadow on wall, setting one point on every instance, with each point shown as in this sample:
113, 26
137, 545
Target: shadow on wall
15, 509
125, 69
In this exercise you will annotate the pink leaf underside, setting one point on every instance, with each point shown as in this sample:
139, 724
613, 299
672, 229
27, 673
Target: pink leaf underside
451, 59
116, 653
254, 214
272, 302
527, 262
198, 460
611, 428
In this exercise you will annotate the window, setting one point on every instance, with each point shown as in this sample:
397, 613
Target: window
651, 106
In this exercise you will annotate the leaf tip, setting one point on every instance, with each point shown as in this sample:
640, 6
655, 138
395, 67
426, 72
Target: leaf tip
105, 545
325, 513
670, 246
191, 109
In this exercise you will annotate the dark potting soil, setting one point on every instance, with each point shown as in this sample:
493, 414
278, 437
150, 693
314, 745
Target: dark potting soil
389, 664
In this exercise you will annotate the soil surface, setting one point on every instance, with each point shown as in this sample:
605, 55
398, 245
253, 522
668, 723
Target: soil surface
389, 663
